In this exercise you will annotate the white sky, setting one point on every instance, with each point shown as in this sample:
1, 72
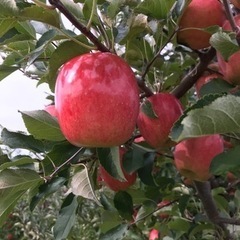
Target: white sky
17, 92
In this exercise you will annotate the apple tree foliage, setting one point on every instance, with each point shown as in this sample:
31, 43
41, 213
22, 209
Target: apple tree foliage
37, 37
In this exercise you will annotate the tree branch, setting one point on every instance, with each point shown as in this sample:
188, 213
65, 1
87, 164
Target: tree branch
204, 192
191, 78
58, 4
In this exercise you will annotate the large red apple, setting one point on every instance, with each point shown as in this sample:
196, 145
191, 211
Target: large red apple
97, 100
199, 14
154, 234
113, 183
230, 68
193, 156
155, 128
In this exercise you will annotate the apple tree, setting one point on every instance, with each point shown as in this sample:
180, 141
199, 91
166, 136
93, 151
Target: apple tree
145, 116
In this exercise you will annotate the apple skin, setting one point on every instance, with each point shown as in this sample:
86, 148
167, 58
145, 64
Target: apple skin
156, 130
113, 183
154, 234
236, 3
199, 14
192, 157
51, 110
97, 100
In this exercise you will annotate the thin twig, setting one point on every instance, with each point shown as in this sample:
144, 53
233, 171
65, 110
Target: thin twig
59, 5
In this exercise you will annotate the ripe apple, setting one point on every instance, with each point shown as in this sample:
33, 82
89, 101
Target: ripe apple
51, 110
154, 234
113, 183
192, 157
166, 109
230, 68
236, 3
199, 14
97, 100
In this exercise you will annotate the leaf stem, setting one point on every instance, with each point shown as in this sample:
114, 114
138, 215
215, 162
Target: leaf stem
94, 4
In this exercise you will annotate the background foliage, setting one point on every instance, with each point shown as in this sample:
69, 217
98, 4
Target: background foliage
37, 180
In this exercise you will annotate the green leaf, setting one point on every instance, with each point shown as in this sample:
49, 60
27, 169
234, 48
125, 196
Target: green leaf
116, 233
13, 184
226, 161
42, 125
82, 184
47, 189
155, 8
6, 25
66, 218
18, 162
19, 140
222, 42
179, 224
213, 114
48, 16
215, 86
6, 70
124, 204
110, 160
147, 208
65, 51
110, 220
147, 109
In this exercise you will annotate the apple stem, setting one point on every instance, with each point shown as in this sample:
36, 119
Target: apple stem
190, 79
84, 30
204, 192
231, 20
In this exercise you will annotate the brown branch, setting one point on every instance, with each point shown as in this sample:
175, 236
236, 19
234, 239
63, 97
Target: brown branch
190, 79
204, 193
59, 5
141, 84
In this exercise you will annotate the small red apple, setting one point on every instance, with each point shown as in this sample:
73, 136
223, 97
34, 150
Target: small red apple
166, 109
193, 156
113, 183
236, 3
230, 68
51, 110
199, 14
97, 100
154, 234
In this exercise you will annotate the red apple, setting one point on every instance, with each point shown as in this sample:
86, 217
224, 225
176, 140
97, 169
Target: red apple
236, 3
97, 100
113, 183
51, 110
193, 156
199, 14
155, 129
230, 68
154, 234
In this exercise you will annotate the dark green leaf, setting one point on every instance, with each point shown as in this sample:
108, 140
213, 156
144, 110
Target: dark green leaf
66, 218
42, 125
47, 189
226, 161
211, 115
13, 184
18, 162
6, 70
124, 204
117, 233
20, 140
110, 160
